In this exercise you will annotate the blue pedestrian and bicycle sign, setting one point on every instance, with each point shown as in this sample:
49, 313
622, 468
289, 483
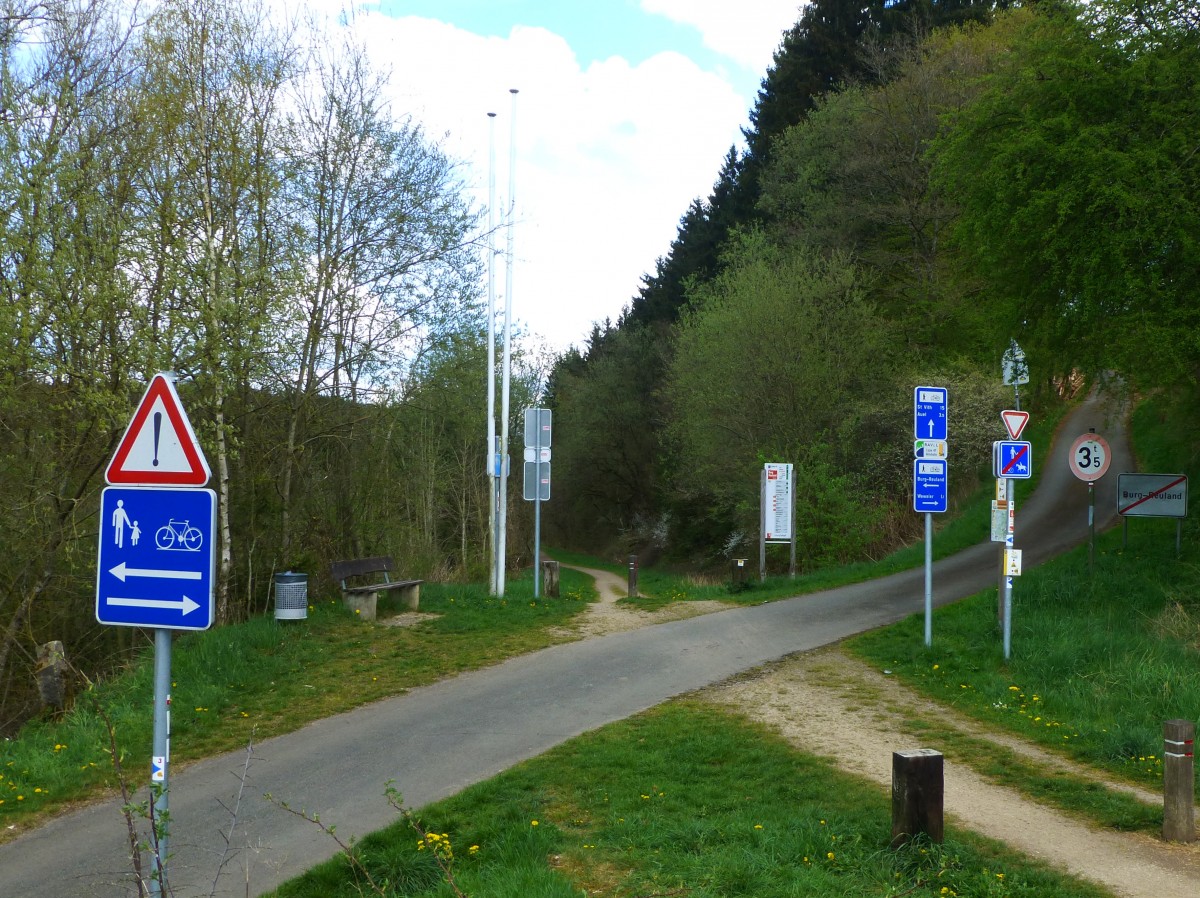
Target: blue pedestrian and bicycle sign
156, 557
929, 485
929, 413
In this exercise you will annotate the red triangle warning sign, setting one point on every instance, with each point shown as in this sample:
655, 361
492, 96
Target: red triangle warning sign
159, 447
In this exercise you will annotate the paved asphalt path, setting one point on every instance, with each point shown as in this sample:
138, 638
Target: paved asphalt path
435, 741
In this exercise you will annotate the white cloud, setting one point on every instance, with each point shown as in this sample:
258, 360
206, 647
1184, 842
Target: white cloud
608, 156
747, 32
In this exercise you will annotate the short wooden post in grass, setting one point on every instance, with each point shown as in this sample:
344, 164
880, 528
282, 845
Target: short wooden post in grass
918, 790
550, 579
633, 587
1179, 808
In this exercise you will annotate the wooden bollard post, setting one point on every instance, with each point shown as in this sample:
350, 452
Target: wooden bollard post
918, 795
550, 579
633, 588
1179, 807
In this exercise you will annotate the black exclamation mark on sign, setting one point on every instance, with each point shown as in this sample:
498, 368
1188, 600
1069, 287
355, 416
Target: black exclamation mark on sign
157, 430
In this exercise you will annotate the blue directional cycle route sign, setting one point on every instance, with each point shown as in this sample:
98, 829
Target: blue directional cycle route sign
1012, 459
929, 413
929, 485
156, 557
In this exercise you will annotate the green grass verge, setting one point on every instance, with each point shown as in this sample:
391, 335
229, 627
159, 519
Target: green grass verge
682, 800
1095, 668
266, 677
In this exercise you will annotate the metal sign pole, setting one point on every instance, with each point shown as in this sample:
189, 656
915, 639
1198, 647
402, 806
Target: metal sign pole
792, 562
762, 525
1091, 527
928, 579
159, 763
537, 505
1011, 490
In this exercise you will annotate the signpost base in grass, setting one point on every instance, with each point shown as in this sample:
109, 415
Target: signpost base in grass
918, 795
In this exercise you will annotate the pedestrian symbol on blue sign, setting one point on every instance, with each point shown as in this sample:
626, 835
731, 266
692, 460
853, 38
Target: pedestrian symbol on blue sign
156, 560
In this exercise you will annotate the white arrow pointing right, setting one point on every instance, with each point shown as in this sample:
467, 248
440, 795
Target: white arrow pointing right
185, 605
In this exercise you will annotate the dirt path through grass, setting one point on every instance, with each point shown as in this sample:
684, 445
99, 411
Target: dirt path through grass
606, 616
829, 704
832, 705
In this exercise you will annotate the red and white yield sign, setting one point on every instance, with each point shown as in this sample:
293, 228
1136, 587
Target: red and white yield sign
159, 447
1014, 422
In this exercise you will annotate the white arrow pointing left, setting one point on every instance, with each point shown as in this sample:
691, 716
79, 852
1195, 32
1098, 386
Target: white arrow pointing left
121, 572
186, 605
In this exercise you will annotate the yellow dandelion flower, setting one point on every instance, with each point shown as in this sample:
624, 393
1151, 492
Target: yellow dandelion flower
829, 854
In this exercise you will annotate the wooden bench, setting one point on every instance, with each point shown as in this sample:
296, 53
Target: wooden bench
361, 598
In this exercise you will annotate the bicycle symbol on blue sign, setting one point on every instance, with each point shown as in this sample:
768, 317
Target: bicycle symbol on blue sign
165, 582
179, 536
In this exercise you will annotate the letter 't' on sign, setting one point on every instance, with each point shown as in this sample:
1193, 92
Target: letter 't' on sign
159, 447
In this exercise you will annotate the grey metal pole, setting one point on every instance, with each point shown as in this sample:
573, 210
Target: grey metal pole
762, 525
1091, 527
792, 561
1011, 490
492, 473
161, 750
928, 579
507, 375
537, 503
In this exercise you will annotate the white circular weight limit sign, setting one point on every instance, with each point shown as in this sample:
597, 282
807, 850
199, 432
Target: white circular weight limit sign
1089, 457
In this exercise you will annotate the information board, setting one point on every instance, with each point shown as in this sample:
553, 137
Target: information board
777, 502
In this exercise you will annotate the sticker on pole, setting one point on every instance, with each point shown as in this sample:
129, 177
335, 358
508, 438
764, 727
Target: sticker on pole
159, 447
1090, 457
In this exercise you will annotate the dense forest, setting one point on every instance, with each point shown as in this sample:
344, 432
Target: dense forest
209, 192
922, 183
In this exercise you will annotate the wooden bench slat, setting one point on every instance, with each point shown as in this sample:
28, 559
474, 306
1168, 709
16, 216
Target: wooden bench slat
359, 567
380, 587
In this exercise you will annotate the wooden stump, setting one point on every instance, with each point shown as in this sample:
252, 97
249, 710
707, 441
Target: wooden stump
550, 579
51, 672
918, 795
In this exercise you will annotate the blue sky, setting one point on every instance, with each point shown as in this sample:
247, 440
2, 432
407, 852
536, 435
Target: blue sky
625, 111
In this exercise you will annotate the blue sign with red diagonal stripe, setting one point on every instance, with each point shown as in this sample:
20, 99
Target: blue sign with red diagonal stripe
1012, 459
